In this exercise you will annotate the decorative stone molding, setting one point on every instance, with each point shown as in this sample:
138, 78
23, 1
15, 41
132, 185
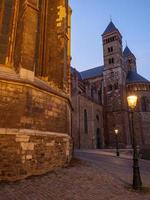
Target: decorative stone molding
26, 74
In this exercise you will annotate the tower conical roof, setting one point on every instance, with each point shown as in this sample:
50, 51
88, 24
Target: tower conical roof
127, 52
110, 28
134, 77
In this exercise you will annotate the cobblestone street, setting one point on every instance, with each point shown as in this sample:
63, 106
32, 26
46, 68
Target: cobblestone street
81, 181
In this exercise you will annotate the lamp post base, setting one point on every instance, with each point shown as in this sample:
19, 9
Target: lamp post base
117, 154
137, 183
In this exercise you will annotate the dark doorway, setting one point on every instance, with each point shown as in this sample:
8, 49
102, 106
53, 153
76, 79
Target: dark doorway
98, 139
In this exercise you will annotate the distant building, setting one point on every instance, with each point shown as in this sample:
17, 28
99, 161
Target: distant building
99, 98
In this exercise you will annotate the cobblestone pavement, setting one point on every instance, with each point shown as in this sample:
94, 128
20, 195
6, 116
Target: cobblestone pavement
119, 167
81, 181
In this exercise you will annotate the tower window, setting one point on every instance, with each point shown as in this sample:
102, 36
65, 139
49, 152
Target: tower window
111, 60
112, 74
121, 61
110, 49
129, 61
111, 39
92, 92
100, 96
116, 86
85, 122
144, 104
97, 118
110, 88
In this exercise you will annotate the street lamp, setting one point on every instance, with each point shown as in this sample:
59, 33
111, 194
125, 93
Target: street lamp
137, 183
117, 146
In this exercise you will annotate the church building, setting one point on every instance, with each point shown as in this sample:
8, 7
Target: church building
99, 97
35, 93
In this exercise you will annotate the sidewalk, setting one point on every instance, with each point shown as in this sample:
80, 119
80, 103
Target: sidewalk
124, 153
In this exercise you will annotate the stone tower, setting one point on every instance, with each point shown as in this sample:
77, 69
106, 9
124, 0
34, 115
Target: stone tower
114, 74
35, 108
129, 60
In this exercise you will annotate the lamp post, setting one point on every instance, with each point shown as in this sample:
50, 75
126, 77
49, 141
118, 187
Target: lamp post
117, 146
137, 183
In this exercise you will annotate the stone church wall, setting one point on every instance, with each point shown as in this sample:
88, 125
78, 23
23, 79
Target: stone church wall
146, 127
34, 87
142, 118
94, 121
35, 129
25, 152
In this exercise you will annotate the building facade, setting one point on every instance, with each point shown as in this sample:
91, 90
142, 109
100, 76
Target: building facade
107, 88
35, 106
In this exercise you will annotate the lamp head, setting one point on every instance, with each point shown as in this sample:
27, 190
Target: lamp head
116, 131
132, 101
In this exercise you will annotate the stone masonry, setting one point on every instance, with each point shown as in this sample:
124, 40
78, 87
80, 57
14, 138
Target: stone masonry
35, 105
25, 152
29, 107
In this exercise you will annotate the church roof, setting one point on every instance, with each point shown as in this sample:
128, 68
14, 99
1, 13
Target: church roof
91, 73
78, 73
127, 52
110, 28
134, 77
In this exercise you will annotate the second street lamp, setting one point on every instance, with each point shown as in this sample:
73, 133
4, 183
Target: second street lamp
117, 145
137, 183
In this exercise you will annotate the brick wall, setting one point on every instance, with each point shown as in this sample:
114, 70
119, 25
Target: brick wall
25, 152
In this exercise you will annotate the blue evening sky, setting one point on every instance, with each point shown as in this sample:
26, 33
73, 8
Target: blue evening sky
91, 17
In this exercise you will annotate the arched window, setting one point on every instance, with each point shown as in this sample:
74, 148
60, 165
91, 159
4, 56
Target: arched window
100, 96
111, 60
85, 122
92, 92
144, 104
116, 86
110, 88
97, 118
129, 61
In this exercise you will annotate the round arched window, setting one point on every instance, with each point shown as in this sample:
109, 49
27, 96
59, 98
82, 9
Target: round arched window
97, 117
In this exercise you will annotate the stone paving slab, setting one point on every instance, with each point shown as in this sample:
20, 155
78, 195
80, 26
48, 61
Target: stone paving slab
80, 181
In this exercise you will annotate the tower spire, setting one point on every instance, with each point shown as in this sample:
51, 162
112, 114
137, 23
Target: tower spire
110, 28
110, 18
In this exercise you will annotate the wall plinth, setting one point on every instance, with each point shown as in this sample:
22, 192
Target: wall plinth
31, 152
